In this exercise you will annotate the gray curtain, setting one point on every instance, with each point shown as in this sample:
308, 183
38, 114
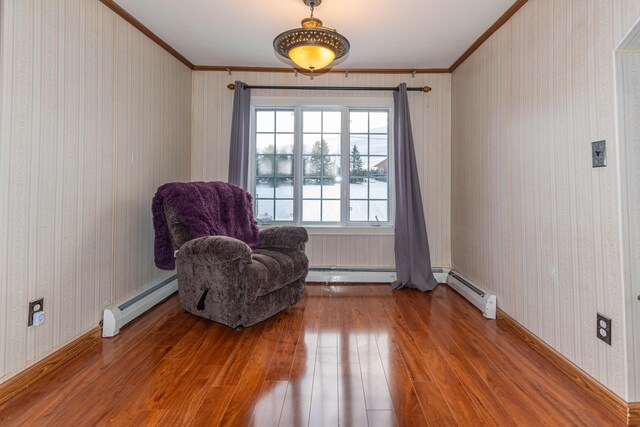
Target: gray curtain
413, 261
240, 136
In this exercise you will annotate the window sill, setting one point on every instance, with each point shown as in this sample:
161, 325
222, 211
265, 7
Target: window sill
319, 230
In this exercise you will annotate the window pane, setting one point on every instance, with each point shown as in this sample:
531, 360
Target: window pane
264, 188
284, 188
312, 165
330, 167
265, 165
378, 189
378, 122
284, 121
331, 190
284, 165
361, 143
369, 166
330, 210
311, 121
358, 188
284, 210
311, 210
379, 209
358, 166
311, 189
284, 143
358, 210
331, 121
265, 210
358, 122
265, 121
377, 166
332, 144
264, 143
379, 145
311, 143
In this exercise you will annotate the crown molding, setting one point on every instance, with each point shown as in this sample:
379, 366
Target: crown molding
144, 30
230, 68
485, 36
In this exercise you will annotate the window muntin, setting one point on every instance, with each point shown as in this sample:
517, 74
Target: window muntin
307, 171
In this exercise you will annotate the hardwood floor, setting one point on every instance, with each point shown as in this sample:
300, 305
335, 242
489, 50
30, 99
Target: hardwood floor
345, 355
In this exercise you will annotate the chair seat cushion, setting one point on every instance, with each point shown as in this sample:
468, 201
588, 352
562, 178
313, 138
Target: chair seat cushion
271, 270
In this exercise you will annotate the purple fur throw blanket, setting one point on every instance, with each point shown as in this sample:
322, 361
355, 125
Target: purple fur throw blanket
207, 209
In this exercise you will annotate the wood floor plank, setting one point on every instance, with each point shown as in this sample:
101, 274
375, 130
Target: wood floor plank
146, 395
376, 389
148, 418
297, 403
245, 342
352, 407
324, 401
434, 406
184, 405
247, 391
382, 418
346, 355
405, 401
268, 407
213, 407
280, 368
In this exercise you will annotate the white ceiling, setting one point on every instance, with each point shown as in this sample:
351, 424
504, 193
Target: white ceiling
383, 33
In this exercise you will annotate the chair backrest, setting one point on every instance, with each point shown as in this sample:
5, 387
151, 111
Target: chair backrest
196, 209
179, 232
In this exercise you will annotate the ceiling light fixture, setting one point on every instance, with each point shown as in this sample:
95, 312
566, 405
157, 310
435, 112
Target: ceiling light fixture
313, 46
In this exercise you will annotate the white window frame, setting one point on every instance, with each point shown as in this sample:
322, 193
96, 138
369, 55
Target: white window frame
300, 104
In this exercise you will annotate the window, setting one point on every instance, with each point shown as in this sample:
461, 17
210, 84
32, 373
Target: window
321, 165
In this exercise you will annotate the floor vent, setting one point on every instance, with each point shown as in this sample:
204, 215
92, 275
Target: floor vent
115, 317
477, 296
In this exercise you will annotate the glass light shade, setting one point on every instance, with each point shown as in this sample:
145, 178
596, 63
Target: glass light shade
312, 57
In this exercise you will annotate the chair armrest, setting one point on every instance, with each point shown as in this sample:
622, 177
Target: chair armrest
284, 238
214, 250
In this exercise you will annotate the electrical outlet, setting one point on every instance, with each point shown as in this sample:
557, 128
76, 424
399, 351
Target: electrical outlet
599, 154
603, 328
34, 307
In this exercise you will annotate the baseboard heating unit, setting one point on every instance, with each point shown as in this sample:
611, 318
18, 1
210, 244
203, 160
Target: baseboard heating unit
477, 296
363, 275
115, 317
351, 275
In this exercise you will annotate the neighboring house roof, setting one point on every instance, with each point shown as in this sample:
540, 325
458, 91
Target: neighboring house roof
381, 165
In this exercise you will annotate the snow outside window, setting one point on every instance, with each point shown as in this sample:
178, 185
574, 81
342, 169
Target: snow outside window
321, 165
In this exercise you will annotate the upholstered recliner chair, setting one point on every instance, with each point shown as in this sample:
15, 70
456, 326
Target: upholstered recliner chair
228, 270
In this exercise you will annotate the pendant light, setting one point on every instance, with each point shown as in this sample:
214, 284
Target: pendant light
313, 46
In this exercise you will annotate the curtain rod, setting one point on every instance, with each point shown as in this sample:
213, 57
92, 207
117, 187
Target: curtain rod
424, 89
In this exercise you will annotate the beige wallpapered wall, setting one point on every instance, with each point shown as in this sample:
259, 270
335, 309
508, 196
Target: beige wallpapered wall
531, 219
93, 117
